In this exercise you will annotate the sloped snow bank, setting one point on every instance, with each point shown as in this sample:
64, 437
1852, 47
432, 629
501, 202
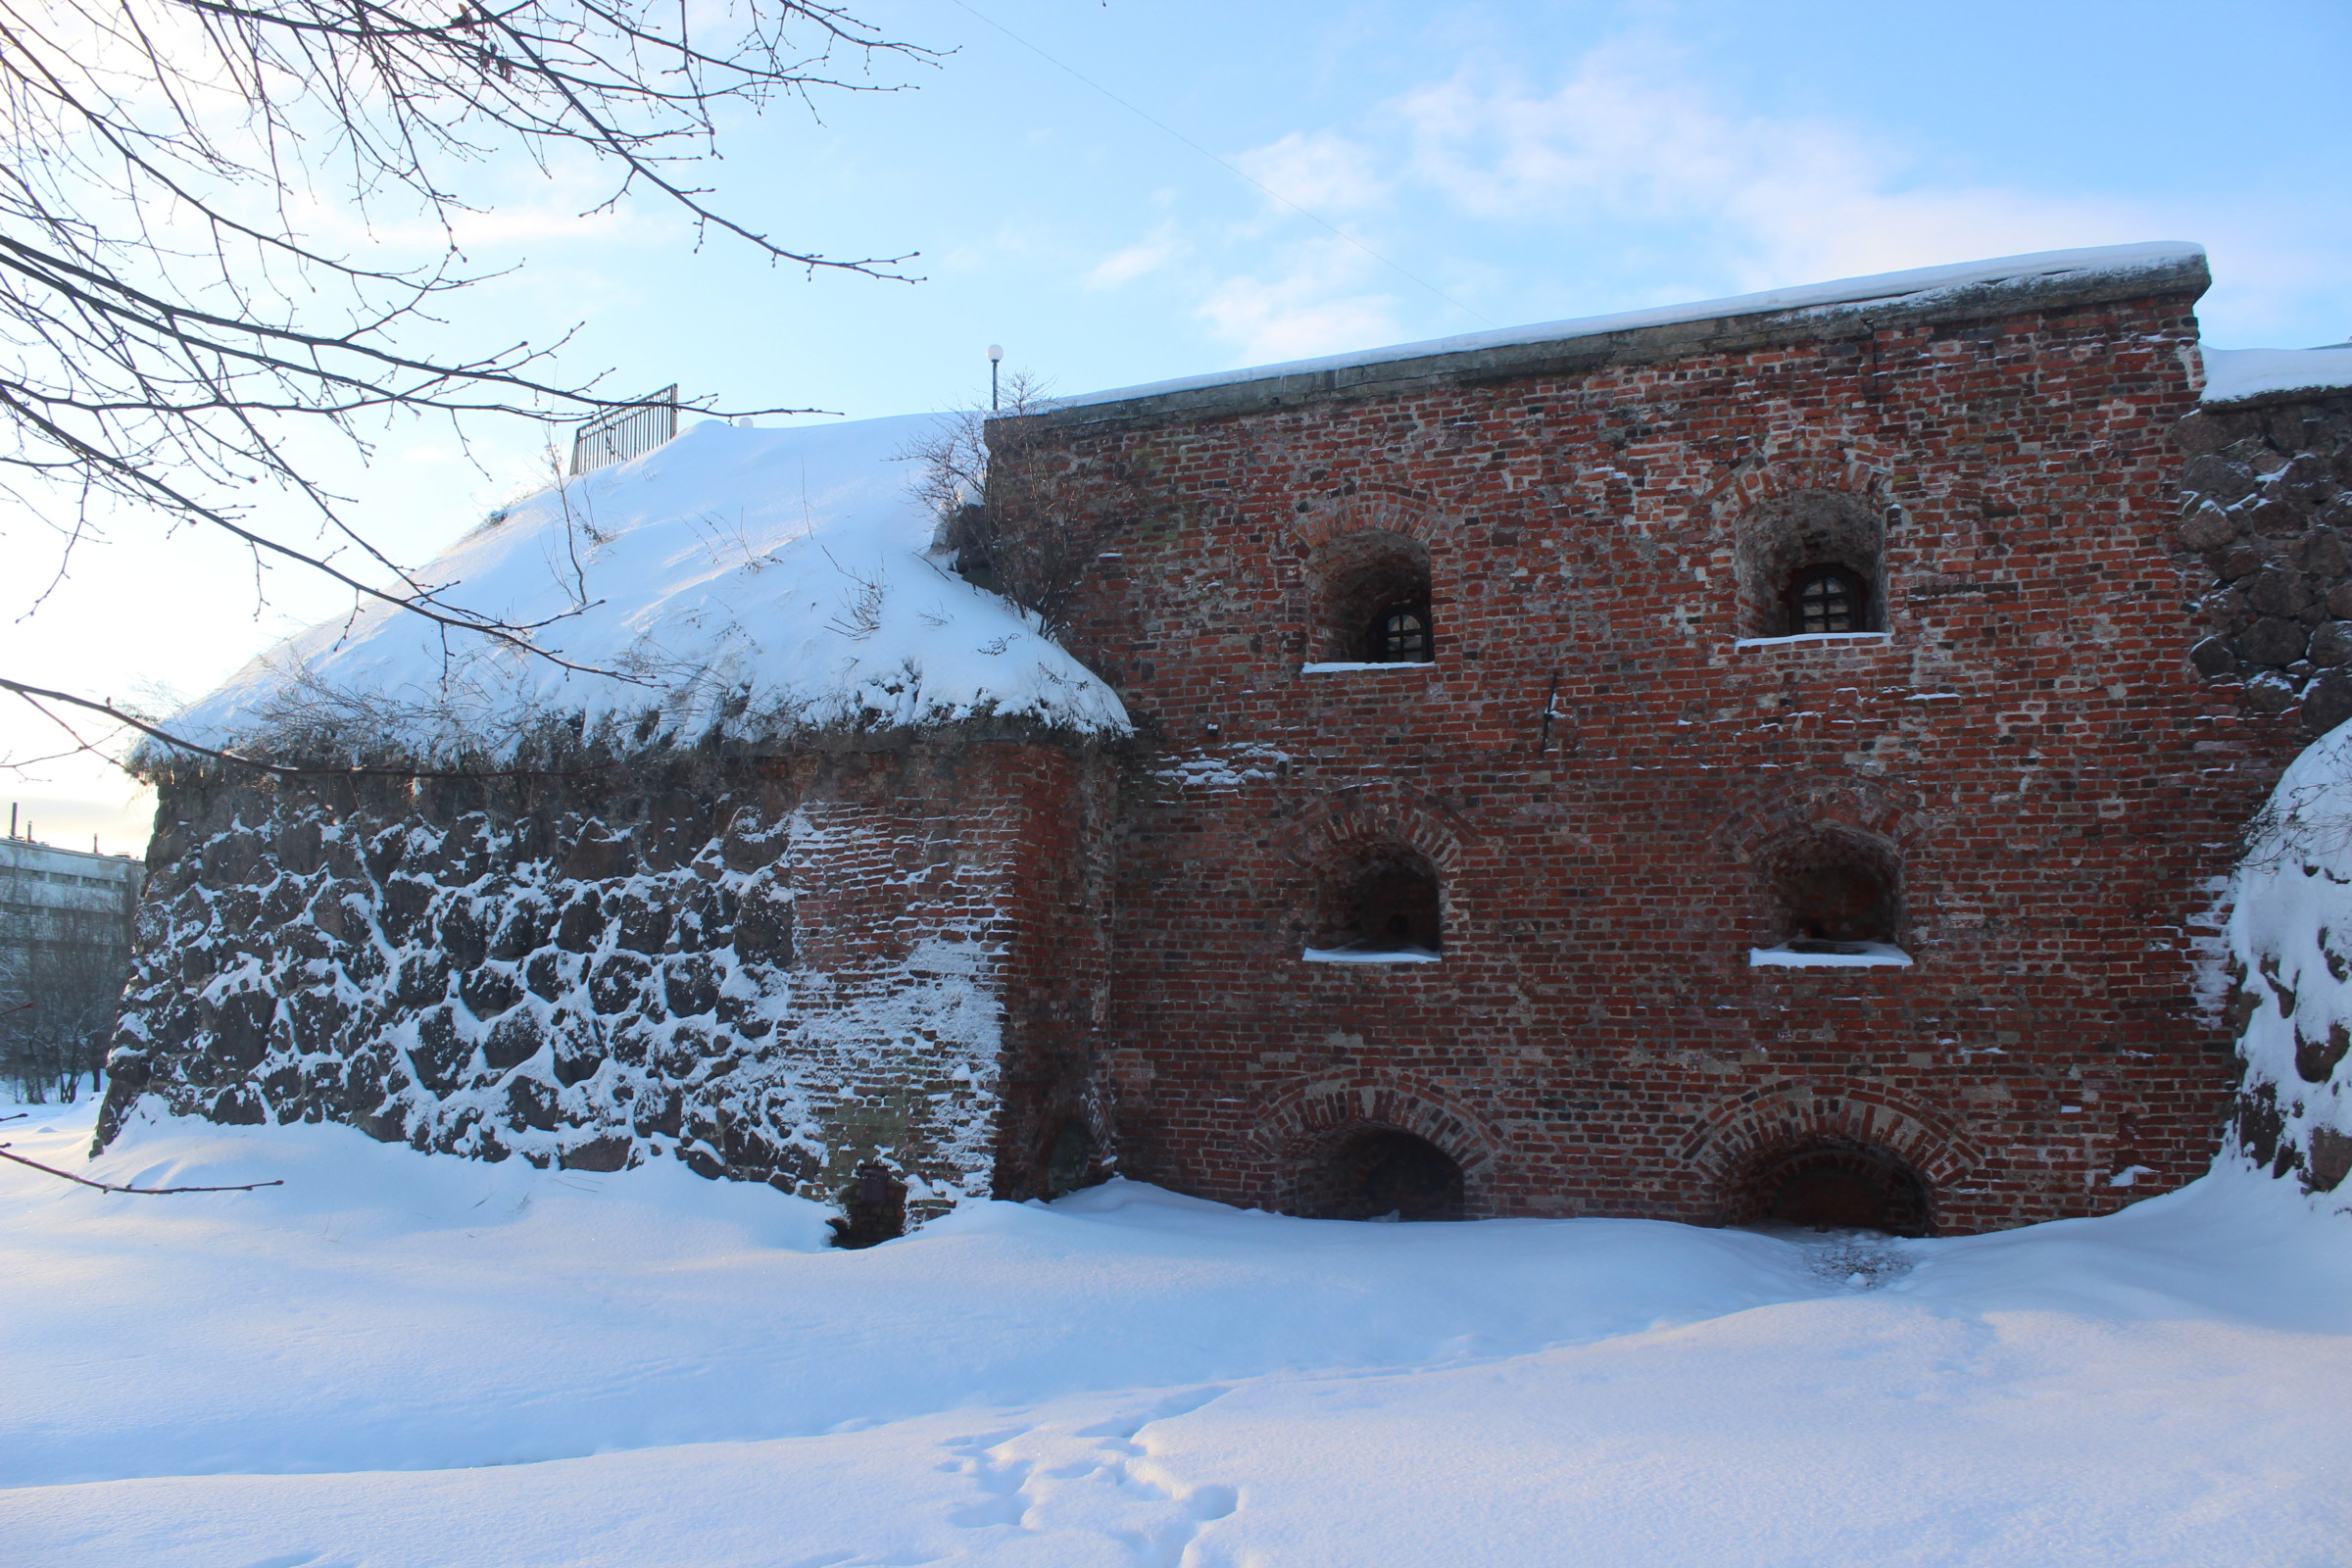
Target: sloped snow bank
753, 581
2290, 940
396, 1359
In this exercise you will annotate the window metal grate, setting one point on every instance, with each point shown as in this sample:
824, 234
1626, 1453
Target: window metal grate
631, 431
1828, 600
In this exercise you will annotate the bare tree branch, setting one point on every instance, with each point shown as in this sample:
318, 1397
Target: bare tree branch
167, 323
144, 1191
35, 695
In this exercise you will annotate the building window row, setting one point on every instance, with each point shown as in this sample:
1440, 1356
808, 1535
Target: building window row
1809, 564
1838, 891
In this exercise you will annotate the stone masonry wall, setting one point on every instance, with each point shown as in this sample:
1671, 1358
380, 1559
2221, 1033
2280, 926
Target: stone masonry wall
2267, 509
769, 969
1602, 771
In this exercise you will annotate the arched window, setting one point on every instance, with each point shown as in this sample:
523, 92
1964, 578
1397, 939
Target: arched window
1839, 897
1372, 595
1829, 599
1809, 564
1834, 1183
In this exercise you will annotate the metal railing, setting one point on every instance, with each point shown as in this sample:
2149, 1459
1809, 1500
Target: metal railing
618, 434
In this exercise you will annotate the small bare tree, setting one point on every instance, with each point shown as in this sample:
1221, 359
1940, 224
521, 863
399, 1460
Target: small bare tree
171, 326
1002, 535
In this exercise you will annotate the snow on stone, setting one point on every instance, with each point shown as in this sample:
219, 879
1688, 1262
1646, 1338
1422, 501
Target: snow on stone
1918, 285
2290, 937
1227, 768
753, 581
397, 1359
2233, 375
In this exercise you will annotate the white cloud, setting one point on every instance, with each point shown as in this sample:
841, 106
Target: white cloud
1630, 140
1315, 302
1322, 172
1155, 252
1633, 176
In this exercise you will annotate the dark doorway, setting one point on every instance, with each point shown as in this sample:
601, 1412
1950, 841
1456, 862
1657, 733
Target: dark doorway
1836, 1184
1382, 1173
1071, 1159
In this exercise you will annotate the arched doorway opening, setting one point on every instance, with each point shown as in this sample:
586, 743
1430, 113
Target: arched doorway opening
1832, 1183
1371, 1172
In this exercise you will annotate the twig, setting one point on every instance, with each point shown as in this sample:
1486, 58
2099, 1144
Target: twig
34, 695
145, 1192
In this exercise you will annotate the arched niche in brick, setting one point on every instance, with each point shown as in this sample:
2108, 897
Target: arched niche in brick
1371, 855
1369, 599
1800, 554
1367, 1148
1832, 883
1805, 1152
1367, 1171
1378, 896
1833, 1182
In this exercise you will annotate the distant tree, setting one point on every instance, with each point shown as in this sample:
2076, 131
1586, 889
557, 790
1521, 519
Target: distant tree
171, 326
59, 1005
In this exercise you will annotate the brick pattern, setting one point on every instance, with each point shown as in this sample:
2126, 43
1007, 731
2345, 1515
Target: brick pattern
1599, 772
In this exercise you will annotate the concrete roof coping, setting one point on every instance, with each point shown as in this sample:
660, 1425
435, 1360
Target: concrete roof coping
1963, 291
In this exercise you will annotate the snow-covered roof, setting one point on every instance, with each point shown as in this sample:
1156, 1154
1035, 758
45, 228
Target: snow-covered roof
1917, 286
755, 581
2232, 376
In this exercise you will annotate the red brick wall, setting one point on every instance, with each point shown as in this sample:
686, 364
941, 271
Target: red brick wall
1596, 770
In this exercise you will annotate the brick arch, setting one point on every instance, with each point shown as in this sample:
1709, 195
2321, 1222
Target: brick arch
1370, 508
1837, 469
1379, 812
1757, 825
1310, 1117
1362, 819
1759, 818
1737, 1135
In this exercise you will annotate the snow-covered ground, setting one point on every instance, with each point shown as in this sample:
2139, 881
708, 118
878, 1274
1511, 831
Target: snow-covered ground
404, 1359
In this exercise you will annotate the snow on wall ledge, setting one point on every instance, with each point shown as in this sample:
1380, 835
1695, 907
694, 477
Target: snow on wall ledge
771, 969
753, 583
2290, 940
1916, 286
2237, 376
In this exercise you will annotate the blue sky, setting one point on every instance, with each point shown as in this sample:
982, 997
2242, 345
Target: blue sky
1434, 168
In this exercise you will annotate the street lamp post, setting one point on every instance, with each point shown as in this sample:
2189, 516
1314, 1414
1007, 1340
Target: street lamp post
996, 356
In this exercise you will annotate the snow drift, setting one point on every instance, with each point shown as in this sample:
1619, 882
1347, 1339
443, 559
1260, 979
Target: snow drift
749, 582
397, 1360
2290, 937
